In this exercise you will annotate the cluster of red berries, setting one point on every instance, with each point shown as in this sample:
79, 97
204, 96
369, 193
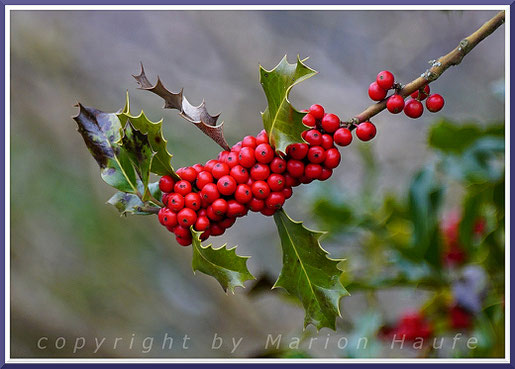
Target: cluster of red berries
413, 108
412, 325
252, 176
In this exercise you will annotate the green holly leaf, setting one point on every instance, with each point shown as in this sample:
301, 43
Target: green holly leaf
308, 273
281, 120
229, 269
102, 133
128, 203
154, 132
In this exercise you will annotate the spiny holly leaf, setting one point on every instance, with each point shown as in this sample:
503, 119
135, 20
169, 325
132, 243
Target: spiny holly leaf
197, 115
140, 153
282, 121
308, 273
128, 203
154, 132
102, 133
222, 263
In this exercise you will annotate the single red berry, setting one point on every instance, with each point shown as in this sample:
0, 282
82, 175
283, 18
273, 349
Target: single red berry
249, 141
287, 192
202, 223
232, 159
212, 215
327, 141
182, 187
313, 137
235, 209
326, 173
264, 153
186, 217
216, 229
219, 206
226, 185
313, 171
167, 217
203, 179
434, 103
316, 154
275, 182
278, 165
343, 136
220, 170
164, 199
210, 192
183, 236
175, 202
297, 150
227, 222
192, 201
260, 172
295, 168
385, 79
366, 131
166, 184
309, 120
423, 95
208, 167
413, 108
332, 158
376, 92
256, 204
243, 193
290, 181
268, 211
198, 168
330, 123
317, 111
240, 174
305, 180
205, 235
395, 104
189, 174
246, 157
262, 138
260, 189
275, 200
222, 156
237, 147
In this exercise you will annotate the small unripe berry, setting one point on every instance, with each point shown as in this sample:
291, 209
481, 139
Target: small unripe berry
343, 137
366, 131
376, 92
434, 103
413, 109
385, 79
395, 104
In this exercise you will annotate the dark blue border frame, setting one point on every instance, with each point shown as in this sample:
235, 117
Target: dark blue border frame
208, 2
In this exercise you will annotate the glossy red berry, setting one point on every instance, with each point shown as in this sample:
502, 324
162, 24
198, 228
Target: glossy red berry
260, 190
259, 172
327, 141
166, 184
434, 103
167, 217
235, 209
182, 187
192, 201
198, 168
216, 229
249, 141
226, 185
175, 202
326, 173
183, 236
275, 182
297, 150
220, 170
256, 204
424, 94
309, 120
316, 154
264, 153
237, 147
240, 174
366, 131
202, 223
210, 192
210, 164
330, 123
313, 137
189, 174
395, 104
262, 138
247, 157
212, 215
227, 222
376, 92
385, 79
219, 206
203, 179
275, 200
342, 137
317, 111
186, 217
413, 108
295, 168
313, 171
243, 194
287, 192
278, 165
232, 159
332, 158
290, 181
268, 211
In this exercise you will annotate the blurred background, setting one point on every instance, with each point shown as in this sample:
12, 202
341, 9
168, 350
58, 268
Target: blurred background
79, 270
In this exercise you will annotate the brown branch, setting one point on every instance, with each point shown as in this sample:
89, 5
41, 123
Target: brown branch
438, 67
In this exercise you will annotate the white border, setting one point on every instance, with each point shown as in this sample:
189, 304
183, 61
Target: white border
9, 8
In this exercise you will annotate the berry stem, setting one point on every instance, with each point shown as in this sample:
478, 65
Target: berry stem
149, 209
439, 66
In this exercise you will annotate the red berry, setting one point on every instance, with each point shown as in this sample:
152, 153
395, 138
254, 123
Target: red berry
264, 153
189, 174
247, 157
434, 103
332, 158
210, 192
316, 154
167, 217
192, 201
249, 141
227, 222
295, 168
423, 95
309, 120
313, 137
235, 209
203, 179
220, 170
413, 108
175, 202
275, 182
237, 147
232, 159
326, 173
182, 187
268, 211
243, 194
202, 223
186, 217
313, 171
385, 79
205, 235
395, 104
260, 189
290, 181
226, 185
212, 215
297, 150
262, 138
376, 92
327, 141
219, 206
256, 204
183, 236
166, 184
216, 229
343, 136
198, 168
222, 157
260, 172
278, 165
317, 111
330, 123
210, 164
287, 192
366, 131
275, 200
240, 174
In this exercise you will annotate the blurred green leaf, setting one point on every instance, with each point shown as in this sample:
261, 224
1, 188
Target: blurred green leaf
128, 203
308, 273
281, 120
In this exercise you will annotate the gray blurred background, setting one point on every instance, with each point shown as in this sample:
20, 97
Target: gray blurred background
79, 270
